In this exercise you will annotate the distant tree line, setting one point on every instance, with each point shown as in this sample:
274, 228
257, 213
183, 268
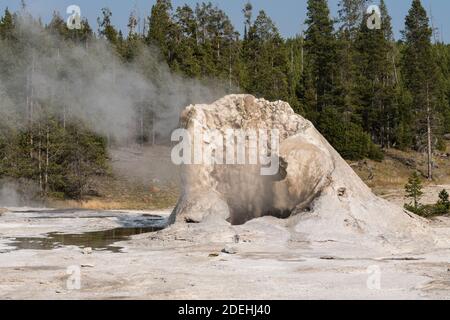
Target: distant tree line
362, 89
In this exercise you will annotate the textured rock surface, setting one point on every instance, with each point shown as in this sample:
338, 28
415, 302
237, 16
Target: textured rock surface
320, 194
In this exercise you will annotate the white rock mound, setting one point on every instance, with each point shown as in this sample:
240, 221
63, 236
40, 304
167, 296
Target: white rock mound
316, 190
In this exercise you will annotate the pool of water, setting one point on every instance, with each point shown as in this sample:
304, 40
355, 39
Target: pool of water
97, 240
104, 240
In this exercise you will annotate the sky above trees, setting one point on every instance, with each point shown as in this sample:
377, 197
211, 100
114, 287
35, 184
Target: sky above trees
289, 15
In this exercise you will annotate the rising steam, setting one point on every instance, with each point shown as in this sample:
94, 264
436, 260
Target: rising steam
91, 84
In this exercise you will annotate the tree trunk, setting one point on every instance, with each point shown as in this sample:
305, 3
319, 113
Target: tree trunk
429, 138
218, 49
64, 107
30, 102
41, 189
141, 125
302, 57
230, 70
395, 70
153, 129
47, 160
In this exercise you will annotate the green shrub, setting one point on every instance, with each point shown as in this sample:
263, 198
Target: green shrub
439, 210
419, 210
414, 192
375, 153
444, 199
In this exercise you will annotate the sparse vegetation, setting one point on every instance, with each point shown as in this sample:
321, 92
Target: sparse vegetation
414, 192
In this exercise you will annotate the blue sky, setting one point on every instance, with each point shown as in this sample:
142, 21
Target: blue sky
289, 15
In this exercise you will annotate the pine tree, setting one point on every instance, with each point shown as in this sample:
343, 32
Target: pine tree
375, 79
420, 76
187, 50
106, 29
133, 40
161, 28
7, 26
85, 34
351, 14
320, 45
267, 60
442, 52
295, 50
414, 191
247, 11
205, 15
444, 201
221, 35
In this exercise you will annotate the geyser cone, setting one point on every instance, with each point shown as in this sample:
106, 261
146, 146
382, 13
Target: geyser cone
315, 189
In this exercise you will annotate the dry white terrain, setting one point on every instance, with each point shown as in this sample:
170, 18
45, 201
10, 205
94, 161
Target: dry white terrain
270, 261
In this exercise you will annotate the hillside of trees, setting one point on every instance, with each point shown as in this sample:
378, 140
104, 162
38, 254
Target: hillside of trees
364, 90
